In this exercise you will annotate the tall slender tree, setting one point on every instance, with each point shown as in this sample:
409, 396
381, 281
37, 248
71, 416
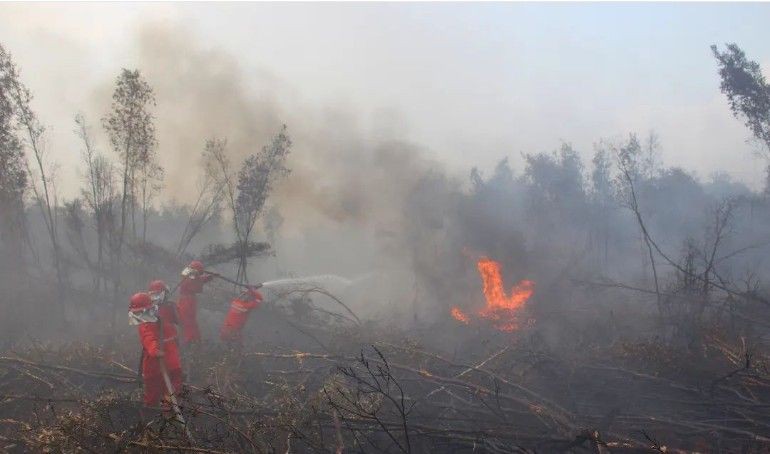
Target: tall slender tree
13, 175
746, 89
255, 182
130, 127
247, 191
99, 196
38, 168
209, 198
601, 194
748, 93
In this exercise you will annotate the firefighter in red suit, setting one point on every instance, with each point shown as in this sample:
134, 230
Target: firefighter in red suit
236, 318
187, 307
158, 337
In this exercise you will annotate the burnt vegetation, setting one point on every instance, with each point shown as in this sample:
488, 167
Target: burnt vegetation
647, 331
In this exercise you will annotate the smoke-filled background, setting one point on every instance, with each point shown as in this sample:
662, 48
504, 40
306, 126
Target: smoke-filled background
545, 191
493, 81
388, 119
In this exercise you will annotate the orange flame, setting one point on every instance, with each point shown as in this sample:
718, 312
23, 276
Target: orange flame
501, 309
460, 315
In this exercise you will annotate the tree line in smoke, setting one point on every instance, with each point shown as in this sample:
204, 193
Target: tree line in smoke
105, 230
118, 190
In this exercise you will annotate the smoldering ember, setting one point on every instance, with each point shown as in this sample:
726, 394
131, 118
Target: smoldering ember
316, 253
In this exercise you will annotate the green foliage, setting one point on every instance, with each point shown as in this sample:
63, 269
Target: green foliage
256, 178
13, 176
130, 123
555, 177
746, 90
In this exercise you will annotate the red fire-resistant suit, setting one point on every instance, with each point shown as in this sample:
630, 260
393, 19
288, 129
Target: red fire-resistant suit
238, 314
156, 337
187, 306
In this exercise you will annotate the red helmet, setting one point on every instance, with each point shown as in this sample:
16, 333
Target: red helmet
140, 302
197, 265
157, 286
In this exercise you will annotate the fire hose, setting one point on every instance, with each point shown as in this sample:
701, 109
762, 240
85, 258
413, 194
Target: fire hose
219, 276
162, 362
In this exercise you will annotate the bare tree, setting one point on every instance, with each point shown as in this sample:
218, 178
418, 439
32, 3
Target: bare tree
209, 197
74, 227
373, 395
41, 174
150, 184
690, 298
722, 215
601, 185
99, 196
627, 158
650, 161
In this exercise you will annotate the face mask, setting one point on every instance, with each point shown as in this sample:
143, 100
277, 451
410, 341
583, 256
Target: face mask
189, 273
146, 316
158, 297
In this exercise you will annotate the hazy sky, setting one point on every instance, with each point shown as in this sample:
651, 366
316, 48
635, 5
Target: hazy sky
471, 82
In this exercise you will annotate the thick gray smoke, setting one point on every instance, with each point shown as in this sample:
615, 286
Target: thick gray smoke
346, 204
336, 169
357, 206
376, 211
